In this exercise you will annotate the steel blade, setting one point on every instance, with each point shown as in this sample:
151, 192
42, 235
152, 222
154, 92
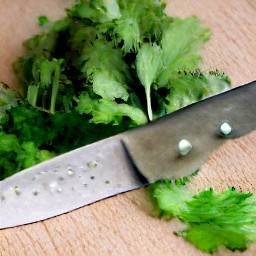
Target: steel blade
67, 182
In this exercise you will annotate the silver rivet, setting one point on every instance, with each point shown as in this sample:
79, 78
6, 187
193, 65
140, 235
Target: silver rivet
92, 164
184, 147
17, 190
225, 129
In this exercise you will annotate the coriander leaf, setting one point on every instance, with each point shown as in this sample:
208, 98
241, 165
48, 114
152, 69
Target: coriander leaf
212, 219
106, 111
208, 237
189, 87
225, 208
81, 35
169, 198
29, 124
105, 85
148, 64
181, 42
43, 47
139, 22
106, 70
8, 99
96, 10
9, 143
231, 215
150, 17
104, 56
112, 9
9, 149
128, 32
30, 155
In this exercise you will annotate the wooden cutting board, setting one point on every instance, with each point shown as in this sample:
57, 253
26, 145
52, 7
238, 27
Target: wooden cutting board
126, 224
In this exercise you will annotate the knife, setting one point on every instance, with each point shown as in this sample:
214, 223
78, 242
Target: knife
171, 147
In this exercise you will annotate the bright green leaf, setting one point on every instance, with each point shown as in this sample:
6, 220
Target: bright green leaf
181, 43
148, 64
105, 85
212, 219
106, 111
187, 88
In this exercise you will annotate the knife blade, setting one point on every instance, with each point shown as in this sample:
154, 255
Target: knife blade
127, 161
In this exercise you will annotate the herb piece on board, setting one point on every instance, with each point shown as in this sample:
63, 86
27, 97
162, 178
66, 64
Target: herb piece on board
212, 219
42, 20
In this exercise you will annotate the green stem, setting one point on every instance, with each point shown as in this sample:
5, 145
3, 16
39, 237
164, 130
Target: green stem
55, 87
149, 108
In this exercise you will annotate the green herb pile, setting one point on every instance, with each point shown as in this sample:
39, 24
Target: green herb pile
106, 67
213, 220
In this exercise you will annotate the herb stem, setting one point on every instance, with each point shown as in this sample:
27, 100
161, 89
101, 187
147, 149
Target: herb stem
149, 108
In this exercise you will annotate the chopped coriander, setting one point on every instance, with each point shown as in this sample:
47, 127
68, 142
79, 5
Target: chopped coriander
104, 68
212, 219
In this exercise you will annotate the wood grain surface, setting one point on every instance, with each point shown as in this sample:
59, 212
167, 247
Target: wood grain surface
126, 224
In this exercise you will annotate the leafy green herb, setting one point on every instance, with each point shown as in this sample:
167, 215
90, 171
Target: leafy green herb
181, 47
106, 67
189, 87
212, 219
8, 99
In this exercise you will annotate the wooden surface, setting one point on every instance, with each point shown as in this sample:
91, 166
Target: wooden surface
125, 224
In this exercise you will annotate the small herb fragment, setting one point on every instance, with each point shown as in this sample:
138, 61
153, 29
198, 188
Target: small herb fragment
42, 20
212, 219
